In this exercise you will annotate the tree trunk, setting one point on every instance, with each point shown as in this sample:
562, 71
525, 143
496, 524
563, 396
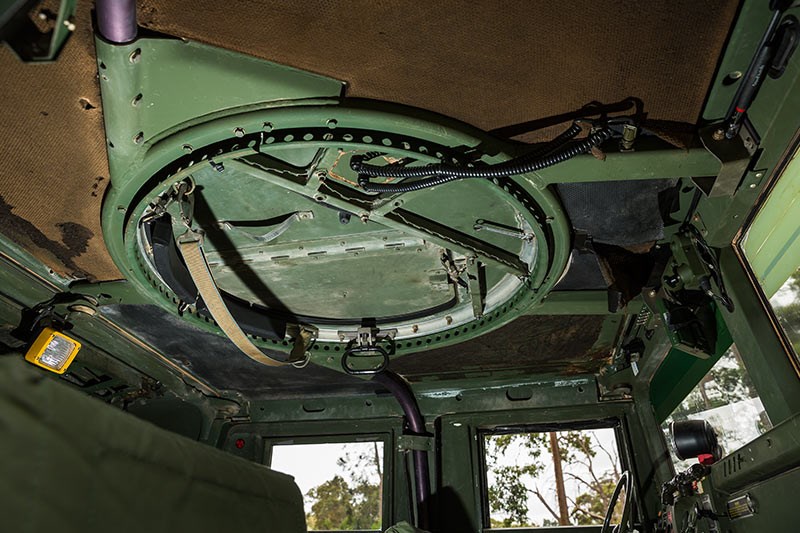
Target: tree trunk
560, 492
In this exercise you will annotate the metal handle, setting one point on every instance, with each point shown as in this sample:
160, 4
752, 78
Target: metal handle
359, 351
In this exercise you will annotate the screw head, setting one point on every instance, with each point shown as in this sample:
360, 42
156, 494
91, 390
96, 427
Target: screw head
239, 132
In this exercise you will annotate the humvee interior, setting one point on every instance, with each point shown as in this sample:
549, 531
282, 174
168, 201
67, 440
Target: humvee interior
386, 266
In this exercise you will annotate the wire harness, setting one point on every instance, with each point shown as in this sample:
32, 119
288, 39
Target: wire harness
556, 151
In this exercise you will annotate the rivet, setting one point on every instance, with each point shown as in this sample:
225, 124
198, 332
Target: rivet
760, 175
752, 185
239, 132
267, 126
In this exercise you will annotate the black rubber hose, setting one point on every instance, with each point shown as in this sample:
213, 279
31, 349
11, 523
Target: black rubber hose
439, 174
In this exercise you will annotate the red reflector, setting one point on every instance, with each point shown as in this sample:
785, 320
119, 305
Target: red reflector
706, 459
239, 443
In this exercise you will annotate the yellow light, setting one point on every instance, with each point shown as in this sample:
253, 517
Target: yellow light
53, 351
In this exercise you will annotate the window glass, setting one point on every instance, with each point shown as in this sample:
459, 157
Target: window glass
771, 245
727, 399
786, 304
532, 483
342, 483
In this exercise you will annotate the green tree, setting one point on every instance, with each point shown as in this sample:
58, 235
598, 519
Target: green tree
351, 500
333, 505
789, 314
513, 485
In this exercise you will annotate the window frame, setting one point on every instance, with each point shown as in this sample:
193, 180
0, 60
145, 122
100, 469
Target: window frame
622, 447
792, 151
384, 437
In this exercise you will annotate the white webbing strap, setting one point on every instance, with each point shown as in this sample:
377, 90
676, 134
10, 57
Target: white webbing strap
190, 246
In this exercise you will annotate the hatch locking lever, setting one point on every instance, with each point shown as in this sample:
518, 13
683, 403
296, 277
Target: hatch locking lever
500, 229
365, 343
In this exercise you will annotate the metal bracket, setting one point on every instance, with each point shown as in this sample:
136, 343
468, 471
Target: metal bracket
27, 40
407, 443
365, 343
734, 154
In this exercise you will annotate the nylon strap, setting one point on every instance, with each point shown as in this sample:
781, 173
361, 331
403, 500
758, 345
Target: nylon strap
190, 246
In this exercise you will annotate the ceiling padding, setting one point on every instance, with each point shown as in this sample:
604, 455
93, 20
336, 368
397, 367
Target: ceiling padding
492, 64
54, 169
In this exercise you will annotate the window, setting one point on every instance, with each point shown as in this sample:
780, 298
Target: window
786, 304
771, 245
533, 483
727, 399
342, 483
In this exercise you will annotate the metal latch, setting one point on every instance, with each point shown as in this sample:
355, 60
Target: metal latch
500, 229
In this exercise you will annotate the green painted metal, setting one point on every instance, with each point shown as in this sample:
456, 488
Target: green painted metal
581, 303
653, 161
41, 280
154, 86
680, 372
747, 32
772, 365
770, 454
774, 114
255, 186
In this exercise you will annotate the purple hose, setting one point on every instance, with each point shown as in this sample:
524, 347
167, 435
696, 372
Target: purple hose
116, 20
401, 390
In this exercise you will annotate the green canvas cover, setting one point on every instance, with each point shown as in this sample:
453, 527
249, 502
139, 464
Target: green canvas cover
69, 462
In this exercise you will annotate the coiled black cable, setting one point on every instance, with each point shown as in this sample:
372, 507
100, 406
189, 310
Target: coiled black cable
556, 151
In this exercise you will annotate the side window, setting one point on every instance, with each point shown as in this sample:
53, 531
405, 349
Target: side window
786, 304
541, 479
771, 244
342, 483
727, 399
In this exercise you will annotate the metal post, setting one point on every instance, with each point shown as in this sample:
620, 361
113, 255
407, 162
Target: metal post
116, 20
401, 390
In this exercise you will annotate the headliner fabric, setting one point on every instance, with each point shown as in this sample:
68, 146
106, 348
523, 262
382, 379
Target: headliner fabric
492, 64
530, 344
73, 463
